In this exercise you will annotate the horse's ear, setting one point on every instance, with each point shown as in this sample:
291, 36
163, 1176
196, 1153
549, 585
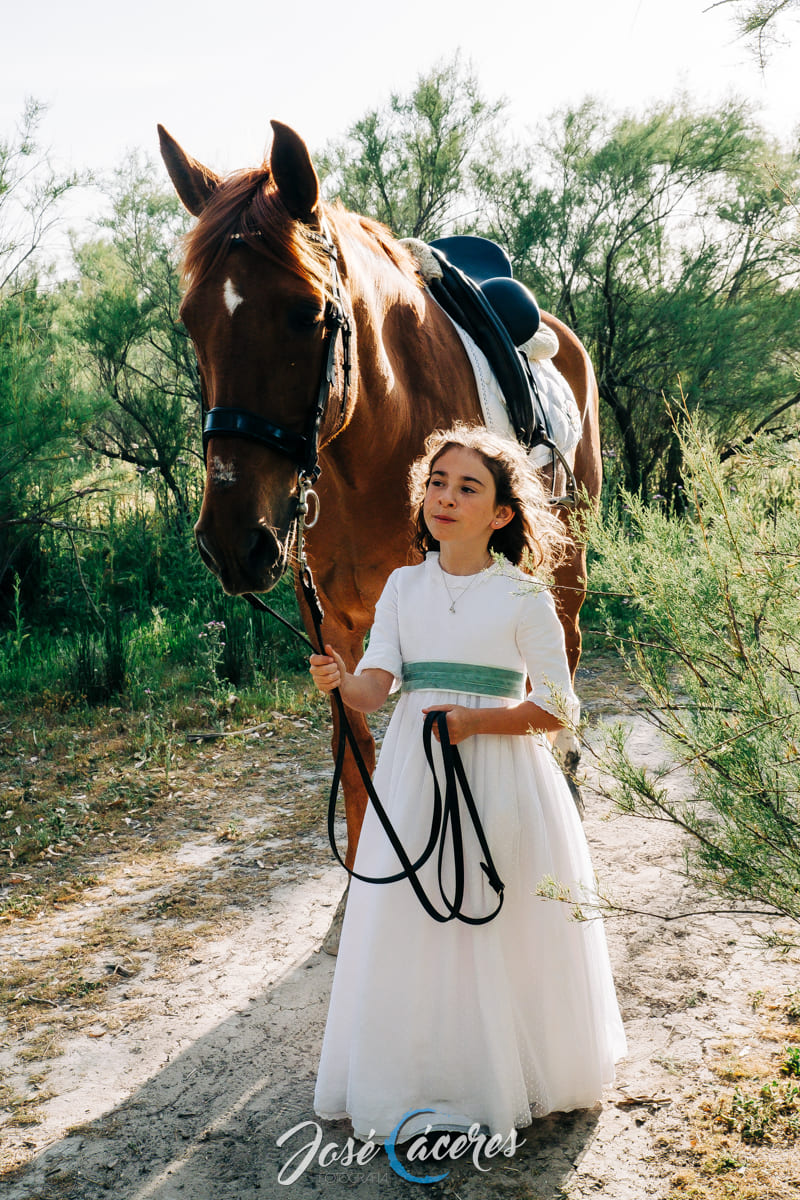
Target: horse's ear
293, 172
194, 183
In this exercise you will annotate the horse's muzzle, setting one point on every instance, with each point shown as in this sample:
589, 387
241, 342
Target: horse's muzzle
254, 564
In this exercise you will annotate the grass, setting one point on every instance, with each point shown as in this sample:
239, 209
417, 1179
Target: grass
99, 842
791, 1061
766, 1112
199, 642
91, 786
23, 1110
792, 1005
742, 1142
71, 778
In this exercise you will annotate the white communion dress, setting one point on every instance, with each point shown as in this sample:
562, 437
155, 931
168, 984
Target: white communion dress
491, 1024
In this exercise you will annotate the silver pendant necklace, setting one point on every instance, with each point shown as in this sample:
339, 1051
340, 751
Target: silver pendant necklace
461, 593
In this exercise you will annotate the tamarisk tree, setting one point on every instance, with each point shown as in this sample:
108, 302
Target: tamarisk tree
137, 362
40, 477
708, 626
666, 241
407, 164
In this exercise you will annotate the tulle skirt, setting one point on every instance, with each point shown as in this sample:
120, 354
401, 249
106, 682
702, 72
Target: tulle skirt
491, 1024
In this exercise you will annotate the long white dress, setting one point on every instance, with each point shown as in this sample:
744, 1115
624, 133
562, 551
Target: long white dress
495, 1023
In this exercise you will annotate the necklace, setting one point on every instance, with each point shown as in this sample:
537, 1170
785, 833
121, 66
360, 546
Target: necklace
461, 590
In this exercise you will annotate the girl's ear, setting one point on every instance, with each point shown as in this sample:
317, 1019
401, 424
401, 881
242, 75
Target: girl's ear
502, 516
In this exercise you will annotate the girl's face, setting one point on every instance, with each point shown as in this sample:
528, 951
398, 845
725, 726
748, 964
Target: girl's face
461, 501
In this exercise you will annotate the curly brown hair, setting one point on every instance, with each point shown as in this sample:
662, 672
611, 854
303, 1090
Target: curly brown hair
535, 537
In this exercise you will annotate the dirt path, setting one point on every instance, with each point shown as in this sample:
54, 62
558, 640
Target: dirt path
188, 1046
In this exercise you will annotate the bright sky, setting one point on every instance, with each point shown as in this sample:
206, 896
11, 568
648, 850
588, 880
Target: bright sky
215, 73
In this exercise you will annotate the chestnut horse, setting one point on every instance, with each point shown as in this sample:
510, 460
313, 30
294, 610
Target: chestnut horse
259, 277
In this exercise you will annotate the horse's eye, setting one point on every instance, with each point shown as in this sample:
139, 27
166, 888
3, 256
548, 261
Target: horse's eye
304, 317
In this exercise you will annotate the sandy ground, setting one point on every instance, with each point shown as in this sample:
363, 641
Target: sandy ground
197, 1061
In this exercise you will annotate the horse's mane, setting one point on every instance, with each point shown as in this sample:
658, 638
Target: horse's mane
377, 236
248, 205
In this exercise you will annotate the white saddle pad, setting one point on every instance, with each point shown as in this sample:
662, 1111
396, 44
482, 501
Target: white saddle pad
558, 403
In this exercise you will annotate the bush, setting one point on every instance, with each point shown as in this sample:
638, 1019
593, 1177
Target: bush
705, 610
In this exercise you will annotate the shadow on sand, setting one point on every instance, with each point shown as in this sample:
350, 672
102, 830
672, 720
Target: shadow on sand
205, 1127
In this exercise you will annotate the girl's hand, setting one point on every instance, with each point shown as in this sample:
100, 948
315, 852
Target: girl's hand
460, 721
327, 670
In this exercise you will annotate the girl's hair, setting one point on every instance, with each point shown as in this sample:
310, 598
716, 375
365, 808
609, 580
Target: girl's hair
535, 537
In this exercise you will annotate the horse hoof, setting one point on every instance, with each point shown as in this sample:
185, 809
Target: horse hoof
330, 943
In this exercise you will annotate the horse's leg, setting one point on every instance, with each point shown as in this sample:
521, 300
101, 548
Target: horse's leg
355, 804
569, 593
570, 578
355, 793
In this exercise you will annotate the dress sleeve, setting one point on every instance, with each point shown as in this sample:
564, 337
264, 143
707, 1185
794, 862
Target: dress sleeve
383, 650
540, 639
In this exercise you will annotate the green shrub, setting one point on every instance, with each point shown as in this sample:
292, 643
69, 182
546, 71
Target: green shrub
705, 610
131, 610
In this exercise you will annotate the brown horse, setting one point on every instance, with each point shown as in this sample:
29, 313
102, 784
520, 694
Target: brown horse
258, 279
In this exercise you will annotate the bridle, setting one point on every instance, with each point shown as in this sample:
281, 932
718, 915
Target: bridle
301, 448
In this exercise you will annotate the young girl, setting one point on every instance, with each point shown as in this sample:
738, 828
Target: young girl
491, 1023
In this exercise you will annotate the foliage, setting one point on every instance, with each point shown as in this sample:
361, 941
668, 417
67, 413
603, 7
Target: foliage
709, 629
30, 193
791, 1060
137, 361
771, 1114
100, 470
758, 21
406, 164
41, 480
137, 622
665, 240
666, 243
660, 237
40, 483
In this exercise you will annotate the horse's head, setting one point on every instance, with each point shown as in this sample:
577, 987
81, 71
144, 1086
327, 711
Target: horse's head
261, 308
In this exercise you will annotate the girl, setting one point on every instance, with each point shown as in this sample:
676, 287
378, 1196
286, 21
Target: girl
493, 1023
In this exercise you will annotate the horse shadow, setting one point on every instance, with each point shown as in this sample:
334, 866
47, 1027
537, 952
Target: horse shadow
207, 1126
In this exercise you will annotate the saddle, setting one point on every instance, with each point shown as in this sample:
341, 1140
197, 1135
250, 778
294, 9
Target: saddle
477, 291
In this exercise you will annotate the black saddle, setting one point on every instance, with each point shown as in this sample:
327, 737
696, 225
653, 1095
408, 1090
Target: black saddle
475, 256
499, 314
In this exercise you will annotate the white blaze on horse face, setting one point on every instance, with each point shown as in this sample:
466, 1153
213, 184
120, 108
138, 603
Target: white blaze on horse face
231, 296
222, 474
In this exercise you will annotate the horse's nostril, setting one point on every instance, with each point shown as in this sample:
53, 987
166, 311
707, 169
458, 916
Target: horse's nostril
206, 553
263, 551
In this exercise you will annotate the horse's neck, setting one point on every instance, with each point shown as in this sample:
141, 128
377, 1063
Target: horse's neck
380, 289
412, 374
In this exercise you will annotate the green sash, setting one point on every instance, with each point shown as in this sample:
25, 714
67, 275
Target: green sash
463, 677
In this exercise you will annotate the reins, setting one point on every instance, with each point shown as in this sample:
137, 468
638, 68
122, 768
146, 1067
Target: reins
445, 815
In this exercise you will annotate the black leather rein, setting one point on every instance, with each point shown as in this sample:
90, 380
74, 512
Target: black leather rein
445, 815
